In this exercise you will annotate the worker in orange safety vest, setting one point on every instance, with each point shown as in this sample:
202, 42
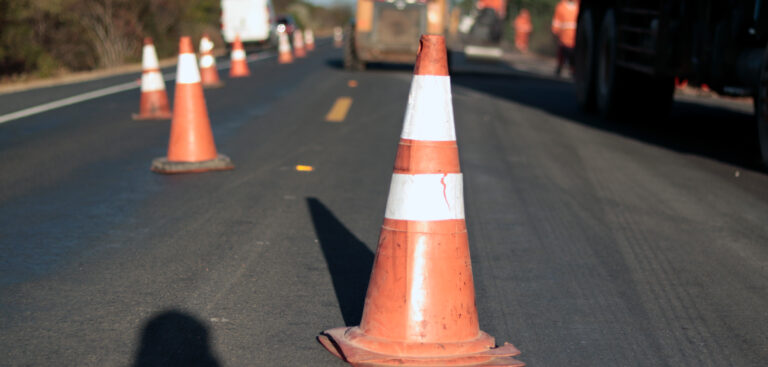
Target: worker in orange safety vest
523, 29
564, 29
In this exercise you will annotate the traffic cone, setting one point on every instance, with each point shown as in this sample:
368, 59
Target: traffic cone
285, 56
420, 305
298, 44
338, 37
239, 67
209, 75
309, 40
191, 147
154, 100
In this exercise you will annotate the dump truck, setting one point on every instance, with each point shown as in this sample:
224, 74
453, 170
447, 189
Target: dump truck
389, 31
629, 52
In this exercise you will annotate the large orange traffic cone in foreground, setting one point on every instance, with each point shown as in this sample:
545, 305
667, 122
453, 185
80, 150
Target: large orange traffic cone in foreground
298, 44
191, 147
309, 39
209, 75
420, 306
154, 100
284, 56
238, 67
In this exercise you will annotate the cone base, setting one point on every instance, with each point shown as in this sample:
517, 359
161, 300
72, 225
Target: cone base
163, 165
158, 116
339, 342
213, 85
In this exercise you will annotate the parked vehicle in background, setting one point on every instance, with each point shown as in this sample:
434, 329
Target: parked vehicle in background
389, 30
253, 20
628, 53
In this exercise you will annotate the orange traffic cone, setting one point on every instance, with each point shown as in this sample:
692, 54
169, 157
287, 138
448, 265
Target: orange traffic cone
298, 44
420, 306
285, 56
309, 40
338, 37
191, 147
239, 67
209, 75
154, 100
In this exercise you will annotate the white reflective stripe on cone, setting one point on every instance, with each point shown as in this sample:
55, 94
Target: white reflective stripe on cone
284, 45
186, 71
238, 55
206, 45
149, 58
152, 81
207, 61
429, 115
425, 197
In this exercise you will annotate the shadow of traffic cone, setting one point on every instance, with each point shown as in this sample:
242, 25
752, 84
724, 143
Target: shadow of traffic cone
420, 304
298, 44
309, 40
338, 37
285, 56
191, 147
238, 67
209, 75
154, 99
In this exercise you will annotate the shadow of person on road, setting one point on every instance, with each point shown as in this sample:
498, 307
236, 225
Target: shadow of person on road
348, 259
705, 129
174, 339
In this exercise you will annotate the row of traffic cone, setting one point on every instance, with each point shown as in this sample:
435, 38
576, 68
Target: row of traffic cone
191, 147
420, 304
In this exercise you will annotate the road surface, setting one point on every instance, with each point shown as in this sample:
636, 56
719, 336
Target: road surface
593, 243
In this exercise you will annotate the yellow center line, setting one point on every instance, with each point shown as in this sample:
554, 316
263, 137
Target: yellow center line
339, 110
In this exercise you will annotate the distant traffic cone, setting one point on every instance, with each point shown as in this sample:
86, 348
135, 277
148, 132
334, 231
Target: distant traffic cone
338, 37
309, 39
285, 56
191, 147
209, 75
298, 44
238, 67
420, 305
154, 99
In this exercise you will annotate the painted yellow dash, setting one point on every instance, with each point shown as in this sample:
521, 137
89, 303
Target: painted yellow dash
303, 168
339, 110
352, 83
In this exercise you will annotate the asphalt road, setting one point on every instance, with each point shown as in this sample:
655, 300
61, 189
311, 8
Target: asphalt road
594, 243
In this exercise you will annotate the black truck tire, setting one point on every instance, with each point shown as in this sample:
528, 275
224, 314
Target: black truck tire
761, 109
351, 61
609, 83
584, 60
625, 93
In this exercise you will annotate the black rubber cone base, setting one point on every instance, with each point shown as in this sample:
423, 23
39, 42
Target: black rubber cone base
163, 165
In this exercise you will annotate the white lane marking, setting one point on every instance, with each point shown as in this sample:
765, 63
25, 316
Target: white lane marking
45, 107
425, 197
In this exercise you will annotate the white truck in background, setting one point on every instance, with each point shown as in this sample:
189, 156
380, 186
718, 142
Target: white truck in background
253, 20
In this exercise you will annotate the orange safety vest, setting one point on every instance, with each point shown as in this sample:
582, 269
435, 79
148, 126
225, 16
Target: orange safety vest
564, 22
499, 5
523, 22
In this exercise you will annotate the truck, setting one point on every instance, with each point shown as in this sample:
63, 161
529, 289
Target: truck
252, 20
389, 30
628, 54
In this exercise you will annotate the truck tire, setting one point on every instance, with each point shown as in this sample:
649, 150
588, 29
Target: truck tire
621, 92
610, 91
584, 60
351, 60
761, 109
